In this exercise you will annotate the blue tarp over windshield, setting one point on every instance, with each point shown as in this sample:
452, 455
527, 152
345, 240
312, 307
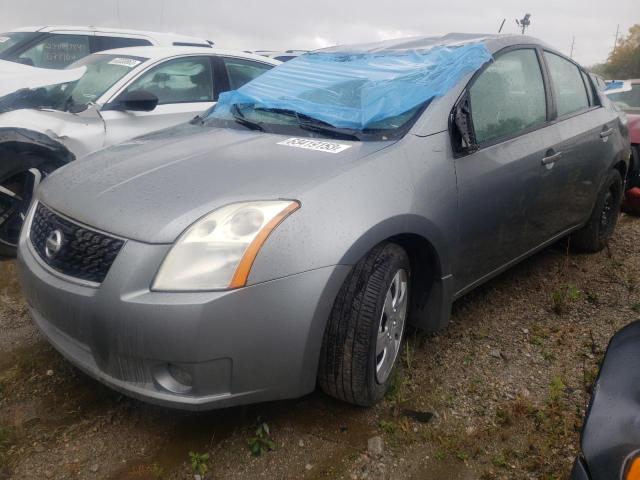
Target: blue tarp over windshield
358, 89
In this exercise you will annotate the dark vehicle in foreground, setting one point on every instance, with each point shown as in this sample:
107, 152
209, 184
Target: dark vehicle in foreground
610, 438
288, 238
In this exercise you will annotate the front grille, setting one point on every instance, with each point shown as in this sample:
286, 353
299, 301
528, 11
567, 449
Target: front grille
75, 251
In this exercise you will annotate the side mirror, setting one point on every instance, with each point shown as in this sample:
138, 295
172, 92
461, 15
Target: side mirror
136, 101
464, 136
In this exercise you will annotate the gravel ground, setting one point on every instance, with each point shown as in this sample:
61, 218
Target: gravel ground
500, 394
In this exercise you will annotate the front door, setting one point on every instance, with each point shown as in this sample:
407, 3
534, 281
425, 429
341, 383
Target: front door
499, 184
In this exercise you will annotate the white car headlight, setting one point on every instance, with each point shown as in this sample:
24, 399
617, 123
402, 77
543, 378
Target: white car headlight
217, 251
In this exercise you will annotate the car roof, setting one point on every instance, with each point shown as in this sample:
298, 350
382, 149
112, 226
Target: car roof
157, 53
159, 37
493, 42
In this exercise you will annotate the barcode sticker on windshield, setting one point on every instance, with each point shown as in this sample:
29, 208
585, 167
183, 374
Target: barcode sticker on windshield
125, 62
4, 39
317, 145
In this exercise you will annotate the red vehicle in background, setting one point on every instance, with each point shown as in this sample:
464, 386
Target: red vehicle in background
626, 95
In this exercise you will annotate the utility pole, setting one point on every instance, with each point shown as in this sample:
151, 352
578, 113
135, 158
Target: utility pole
615, 42
524, 22
502, 25
573, 42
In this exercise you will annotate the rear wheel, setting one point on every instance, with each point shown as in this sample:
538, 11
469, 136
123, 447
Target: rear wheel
594, 235
20, 175
365, 330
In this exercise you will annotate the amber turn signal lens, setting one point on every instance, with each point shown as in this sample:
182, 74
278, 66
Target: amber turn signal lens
634, 470
242, 272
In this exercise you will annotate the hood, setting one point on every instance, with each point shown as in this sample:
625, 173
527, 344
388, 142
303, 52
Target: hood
151, 189
15, 77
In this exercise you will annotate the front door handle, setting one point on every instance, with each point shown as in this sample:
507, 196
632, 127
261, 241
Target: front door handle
552, 158
606, 133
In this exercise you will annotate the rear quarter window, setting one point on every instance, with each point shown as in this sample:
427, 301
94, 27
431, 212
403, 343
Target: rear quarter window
101, 43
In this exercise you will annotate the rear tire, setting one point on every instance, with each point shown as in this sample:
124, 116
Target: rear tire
594, 235
365, 329
16, 192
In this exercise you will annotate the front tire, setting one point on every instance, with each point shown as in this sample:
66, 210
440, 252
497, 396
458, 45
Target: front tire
19, 177
366, 326
594, 235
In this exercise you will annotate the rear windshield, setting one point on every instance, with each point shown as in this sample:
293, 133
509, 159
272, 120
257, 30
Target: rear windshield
629, 100
11, 39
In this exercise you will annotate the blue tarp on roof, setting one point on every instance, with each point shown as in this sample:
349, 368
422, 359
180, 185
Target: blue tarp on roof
356, 90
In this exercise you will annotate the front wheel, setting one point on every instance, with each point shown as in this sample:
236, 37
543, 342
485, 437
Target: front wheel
19, 178
365, 330
594, 235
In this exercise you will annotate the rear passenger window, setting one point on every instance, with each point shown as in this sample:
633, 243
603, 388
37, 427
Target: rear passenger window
101, 43
243, 71
184, 80
508, 97
568, 86
56, 51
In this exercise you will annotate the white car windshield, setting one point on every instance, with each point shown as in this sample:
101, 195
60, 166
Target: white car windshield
103, 71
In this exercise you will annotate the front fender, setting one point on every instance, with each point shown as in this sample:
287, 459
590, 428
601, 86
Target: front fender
12, 137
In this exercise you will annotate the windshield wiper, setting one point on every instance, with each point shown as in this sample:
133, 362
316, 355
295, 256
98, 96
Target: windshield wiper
311, 124
242, 120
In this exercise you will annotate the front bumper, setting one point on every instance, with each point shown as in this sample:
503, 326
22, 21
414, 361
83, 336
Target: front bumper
241, 346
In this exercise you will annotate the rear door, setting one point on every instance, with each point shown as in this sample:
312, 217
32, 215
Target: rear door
185, 87
580, 151
499, 184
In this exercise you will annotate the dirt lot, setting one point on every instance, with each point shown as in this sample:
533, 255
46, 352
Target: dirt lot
499, 394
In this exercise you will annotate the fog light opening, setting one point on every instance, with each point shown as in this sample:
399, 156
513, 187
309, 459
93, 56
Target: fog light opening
180, 375
173, 378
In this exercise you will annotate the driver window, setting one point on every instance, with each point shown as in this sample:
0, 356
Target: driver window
184, 80
56, 51
508, 97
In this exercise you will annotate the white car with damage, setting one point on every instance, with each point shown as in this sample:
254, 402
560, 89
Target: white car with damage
104, 99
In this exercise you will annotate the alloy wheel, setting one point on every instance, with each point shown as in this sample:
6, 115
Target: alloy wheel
391, 326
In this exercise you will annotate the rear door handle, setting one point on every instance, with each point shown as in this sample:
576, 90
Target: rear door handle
552, 158
606, 133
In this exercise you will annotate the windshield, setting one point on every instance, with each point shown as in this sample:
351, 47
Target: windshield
360, 95
629, 100
103, 71
11, 39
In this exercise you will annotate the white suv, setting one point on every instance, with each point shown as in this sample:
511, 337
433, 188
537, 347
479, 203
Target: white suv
58, 46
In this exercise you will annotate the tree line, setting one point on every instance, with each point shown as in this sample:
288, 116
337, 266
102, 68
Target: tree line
624, 61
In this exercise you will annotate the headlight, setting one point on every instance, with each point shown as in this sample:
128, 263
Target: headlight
217, 251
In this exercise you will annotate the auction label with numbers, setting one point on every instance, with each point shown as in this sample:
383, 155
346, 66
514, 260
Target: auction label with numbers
317, 145
125, 62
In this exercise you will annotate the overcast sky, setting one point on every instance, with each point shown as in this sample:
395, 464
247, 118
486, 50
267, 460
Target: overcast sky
304, 24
